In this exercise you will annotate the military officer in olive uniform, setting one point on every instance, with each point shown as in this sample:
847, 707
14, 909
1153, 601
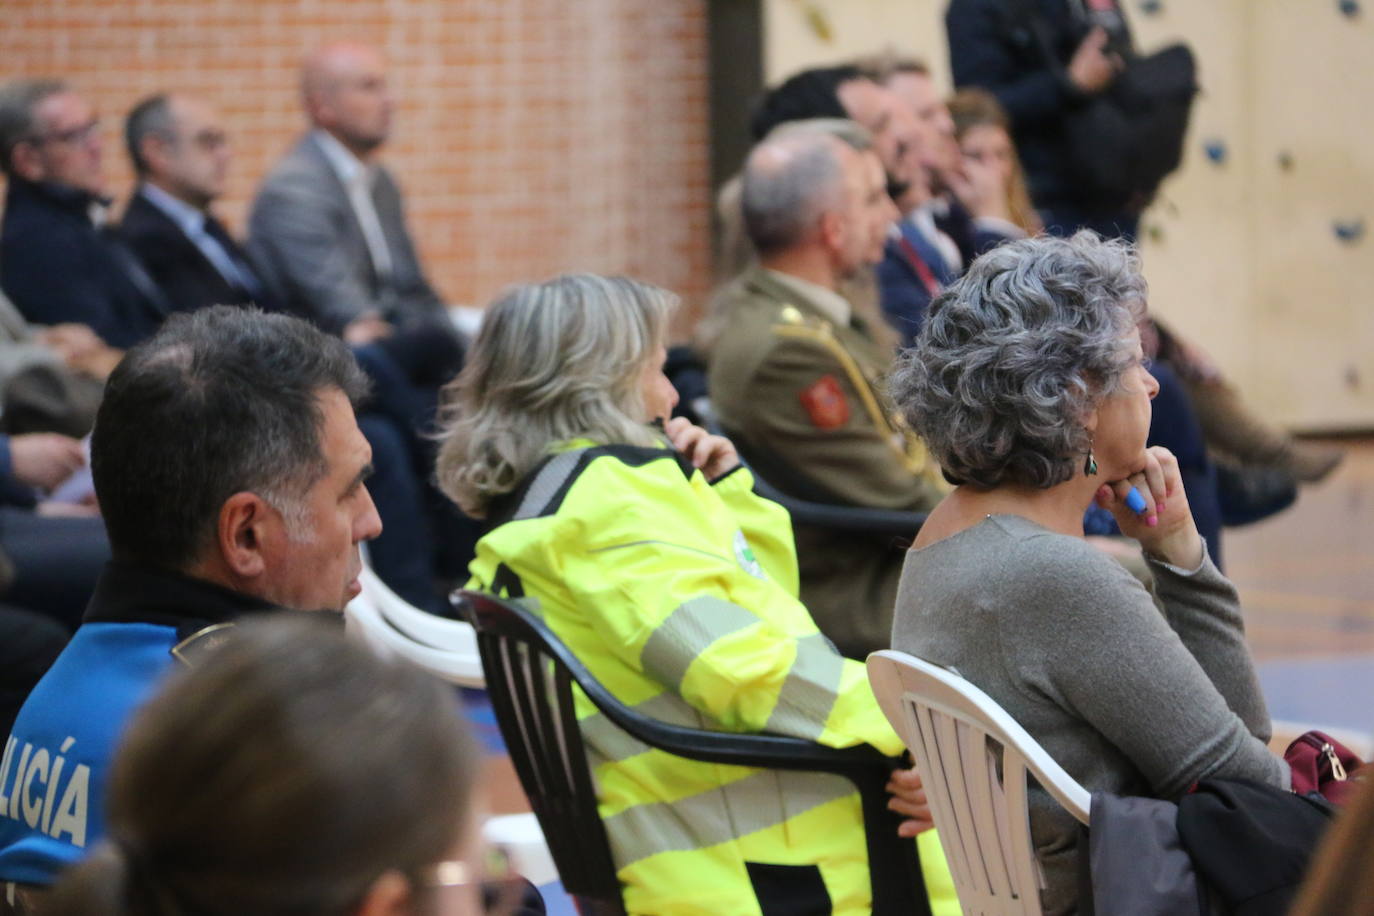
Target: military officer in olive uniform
796, 377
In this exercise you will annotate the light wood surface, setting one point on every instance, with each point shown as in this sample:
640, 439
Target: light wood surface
1306, 576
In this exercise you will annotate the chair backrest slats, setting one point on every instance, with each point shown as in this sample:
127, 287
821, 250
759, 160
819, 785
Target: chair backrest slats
956, 733
549, 758
927, 754
950, 756
984, 795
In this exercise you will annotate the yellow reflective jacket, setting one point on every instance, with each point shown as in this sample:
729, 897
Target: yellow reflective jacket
679, 595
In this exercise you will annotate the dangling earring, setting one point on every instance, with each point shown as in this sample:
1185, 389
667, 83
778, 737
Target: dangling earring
1090, 465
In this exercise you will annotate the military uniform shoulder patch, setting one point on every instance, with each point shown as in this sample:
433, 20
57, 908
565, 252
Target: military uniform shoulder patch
825, 403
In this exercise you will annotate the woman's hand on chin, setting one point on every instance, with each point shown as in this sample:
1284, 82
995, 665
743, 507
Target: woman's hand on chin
1157, 515
713, 455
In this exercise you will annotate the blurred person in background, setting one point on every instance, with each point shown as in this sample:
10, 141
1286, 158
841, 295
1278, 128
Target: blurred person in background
59, 262
794, 374
180, 153
328, 229
1002, 46
328, 234
265, 780
983, 134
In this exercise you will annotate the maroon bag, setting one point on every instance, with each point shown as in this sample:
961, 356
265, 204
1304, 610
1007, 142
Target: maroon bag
1323, 765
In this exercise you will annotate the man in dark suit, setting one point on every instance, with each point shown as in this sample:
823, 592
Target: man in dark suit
180, 153
179, 150
327, 229
58, 262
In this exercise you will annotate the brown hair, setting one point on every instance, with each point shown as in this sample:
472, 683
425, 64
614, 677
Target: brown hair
972, 108
1340, 882
284, 775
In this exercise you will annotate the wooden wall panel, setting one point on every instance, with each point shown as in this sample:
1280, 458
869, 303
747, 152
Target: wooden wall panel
1240, 254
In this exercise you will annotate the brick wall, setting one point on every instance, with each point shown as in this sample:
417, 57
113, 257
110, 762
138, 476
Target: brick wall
531, 137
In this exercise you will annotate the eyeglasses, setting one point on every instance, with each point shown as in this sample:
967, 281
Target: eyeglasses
80, 134
495, 879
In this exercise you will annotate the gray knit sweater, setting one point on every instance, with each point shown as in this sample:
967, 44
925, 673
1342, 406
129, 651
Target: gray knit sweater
1074, 649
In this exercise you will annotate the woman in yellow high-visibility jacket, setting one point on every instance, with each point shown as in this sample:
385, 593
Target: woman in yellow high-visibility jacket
648, 554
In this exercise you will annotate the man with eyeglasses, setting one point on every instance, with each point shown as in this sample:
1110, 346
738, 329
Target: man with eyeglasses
180, 152
58, 261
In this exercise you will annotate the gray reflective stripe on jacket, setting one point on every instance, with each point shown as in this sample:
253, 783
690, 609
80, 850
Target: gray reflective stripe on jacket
761, 800
550, 479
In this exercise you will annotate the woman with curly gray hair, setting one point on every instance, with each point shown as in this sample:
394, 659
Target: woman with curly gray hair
1028, 385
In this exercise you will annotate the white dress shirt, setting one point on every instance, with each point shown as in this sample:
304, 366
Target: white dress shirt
192, 224
358, 179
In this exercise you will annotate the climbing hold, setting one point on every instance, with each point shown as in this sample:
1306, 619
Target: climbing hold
1155, 232
1349, 8
1151, 7
1285, 160
1349, 231
1216, 151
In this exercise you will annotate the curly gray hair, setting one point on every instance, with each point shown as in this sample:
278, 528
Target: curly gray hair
1015, 354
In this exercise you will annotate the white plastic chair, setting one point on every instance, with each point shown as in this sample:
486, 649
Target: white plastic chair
388, 623
392, 626
953, 730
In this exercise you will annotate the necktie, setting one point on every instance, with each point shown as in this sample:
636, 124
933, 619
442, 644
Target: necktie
222, 251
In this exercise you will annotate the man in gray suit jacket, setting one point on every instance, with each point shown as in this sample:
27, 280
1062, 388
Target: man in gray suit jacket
327, 230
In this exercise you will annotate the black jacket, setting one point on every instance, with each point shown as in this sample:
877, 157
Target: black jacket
185, 275
57, 266
992, 46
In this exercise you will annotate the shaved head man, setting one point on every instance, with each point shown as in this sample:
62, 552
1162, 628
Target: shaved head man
328, 230
345, 93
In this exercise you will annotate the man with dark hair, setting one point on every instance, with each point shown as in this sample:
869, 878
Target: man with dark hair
231, 473
813, 93
848, 92
57, 261
795, 374
180, 153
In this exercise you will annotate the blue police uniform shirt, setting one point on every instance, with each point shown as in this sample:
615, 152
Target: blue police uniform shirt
54, 768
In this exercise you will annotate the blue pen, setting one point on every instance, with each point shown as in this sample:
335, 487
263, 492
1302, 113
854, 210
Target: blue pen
1134, 501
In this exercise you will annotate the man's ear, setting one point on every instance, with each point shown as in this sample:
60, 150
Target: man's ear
389, 895
154, 152
243, 527
832, 229
27, 161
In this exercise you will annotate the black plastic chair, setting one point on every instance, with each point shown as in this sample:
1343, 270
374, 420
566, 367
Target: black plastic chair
891, 522
529, 676
882, 522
